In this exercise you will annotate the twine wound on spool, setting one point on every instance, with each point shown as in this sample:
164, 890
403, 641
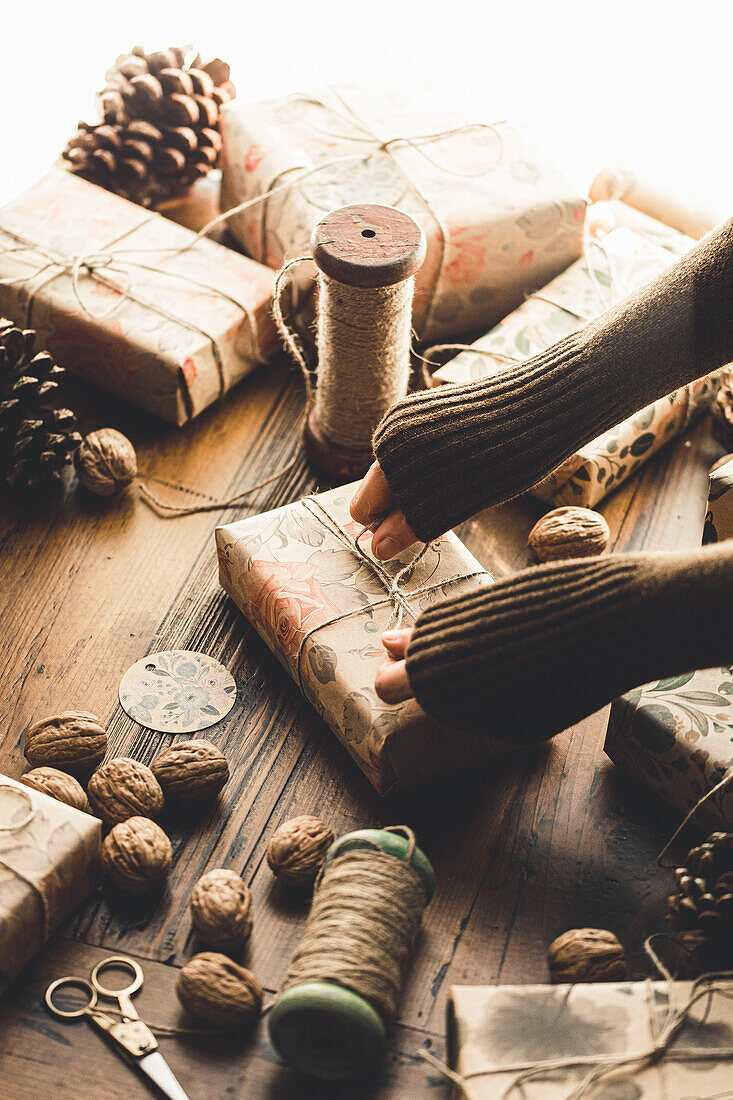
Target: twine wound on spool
364, 918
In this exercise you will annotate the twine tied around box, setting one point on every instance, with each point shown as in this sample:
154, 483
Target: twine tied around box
9, 865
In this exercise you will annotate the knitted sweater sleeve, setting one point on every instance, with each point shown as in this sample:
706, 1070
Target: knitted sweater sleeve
448, 452
529, 656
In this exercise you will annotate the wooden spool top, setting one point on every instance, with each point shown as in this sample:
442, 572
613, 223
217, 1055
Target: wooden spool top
368, 245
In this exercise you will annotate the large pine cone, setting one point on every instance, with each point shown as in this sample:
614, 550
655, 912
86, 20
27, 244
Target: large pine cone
701, 913
37, 439
161, 125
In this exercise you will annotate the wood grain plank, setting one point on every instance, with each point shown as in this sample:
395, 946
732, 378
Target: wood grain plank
74, 1060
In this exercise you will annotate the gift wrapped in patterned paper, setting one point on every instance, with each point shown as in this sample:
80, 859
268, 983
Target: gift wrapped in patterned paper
719, 516
676, 737
498, 221
320, 601
624, 250
129, 300
49, 857
539, 1042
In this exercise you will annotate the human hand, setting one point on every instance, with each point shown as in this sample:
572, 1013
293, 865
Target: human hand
374, 505
391, 683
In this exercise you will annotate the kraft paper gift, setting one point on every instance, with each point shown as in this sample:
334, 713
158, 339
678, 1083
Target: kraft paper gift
130, 301
625, 249
320, 602
719, 517
676, 737
49, 855
497, 1032
498, 221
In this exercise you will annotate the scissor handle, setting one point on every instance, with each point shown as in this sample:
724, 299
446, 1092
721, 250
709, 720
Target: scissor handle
124, 963
76, 983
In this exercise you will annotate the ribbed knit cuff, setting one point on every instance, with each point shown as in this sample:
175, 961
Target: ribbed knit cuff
526, 658
451, 451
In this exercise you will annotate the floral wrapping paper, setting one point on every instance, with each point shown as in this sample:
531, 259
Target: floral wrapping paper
625, 249
719, 516
53, 856
321, 608
498, 222
169, 332
494, 1026
676, 737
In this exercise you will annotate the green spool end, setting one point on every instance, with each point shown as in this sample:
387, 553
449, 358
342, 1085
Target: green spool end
323, 1029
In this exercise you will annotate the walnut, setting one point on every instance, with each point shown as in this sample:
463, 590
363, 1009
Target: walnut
72, 742
57, 785
213, 988
106, 462
136, 855
191, 769
568, 533
124, 788
586, 955
221, 909
297, 849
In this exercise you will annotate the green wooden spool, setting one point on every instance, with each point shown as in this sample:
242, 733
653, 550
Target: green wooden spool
321, 1028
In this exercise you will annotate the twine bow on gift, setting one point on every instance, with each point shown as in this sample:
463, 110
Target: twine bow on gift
10, 865
393, 585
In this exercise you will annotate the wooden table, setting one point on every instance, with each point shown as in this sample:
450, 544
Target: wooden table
523, 848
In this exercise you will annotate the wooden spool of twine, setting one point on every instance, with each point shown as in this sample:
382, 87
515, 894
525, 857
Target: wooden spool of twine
366, 256
345, 979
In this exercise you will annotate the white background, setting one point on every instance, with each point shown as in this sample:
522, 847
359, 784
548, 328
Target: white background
648, 84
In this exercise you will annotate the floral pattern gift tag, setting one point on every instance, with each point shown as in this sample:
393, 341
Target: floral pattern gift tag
177, 691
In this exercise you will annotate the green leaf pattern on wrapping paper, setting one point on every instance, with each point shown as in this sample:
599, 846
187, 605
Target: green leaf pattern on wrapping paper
673, 733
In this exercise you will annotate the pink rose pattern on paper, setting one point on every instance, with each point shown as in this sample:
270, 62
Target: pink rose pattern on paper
288, 602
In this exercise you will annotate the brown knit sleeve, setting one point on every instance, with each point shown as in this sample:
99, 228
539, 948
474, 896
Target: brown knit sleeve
526, 658
448, 452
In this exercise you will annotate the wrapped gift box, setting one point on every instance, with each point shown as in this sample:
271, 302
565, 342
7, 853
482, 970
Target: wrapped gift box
493, 1028
676, 737
719, 516
625, 250
320, 605
49, 856
498, 222
116, 300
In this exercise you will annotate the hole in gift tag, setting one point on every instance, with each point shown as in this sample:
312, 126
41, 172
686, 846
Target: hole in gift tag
368, 233
150, 668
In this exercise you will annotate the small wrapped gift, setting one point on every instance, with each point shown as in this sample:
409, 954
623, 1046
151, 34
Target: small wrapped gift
625, 250
498, 221
130, 301
320, 601
49, 855
539, 1042
676, 737
719, 516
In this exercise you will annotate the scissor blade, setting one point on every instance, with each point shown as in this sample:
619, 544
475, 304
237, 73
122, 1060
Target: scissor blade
158, 1070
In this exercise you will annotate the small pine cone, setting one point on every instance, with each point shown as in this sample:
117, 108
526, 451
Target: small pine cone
701, 912
37, 437
160, 129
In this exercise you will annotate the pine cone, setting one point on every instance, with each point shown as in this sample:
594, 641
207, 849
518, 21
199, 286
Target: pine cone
701, 913
161, 125
36, 439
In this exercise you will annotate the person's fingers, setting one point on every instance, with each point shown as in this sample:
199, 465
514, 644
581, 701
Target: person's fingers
373, 497
392, 535
395, 642
391, 683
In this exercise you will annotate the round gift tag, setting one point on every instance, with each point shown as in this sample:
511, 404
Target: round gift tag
177, 691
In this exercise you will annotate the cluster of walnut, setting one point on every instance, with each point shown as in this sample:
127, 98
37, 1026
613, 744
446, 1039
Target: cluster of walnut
128, 795
211, 987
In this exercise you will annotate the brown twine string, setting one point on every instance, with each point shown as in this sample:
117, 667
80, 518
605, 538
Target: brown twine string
30, 816
364, 917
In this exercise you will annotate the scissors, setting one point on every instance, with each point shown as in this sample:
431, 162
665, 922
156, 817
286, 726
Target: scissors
131, 1038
